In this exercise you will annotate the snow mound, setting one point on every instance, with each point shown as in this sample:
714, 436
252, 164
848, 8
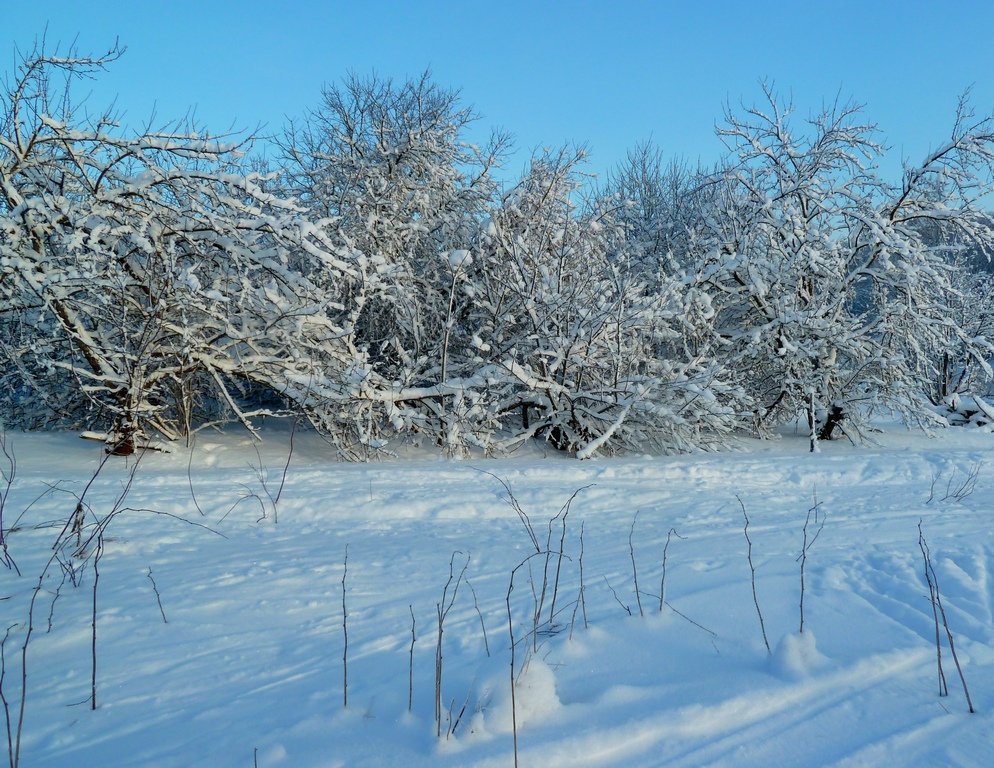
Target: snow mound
797, 656
535, 695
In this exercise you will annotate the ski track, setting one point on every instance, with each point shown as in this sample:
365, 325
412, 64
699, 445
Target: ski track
764, 728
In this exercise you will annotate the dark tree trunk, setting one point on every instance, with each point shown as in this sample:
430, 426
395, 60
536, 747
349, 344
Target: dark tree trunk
836, 416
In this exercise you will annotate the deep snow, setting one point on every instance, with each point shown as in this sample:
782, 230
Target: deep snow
248, 667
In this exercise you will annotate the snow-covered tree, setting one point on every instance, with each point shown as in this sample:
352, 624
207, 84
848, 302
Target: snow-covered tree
383, 284
963, 367
147, 273
825, 286
661, 207
389, 167
584, 353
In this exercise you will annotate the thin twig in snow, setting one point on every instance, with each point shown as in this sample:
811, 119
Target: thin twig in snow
635, 570
662, 580
345, 634
752, 570
158, 597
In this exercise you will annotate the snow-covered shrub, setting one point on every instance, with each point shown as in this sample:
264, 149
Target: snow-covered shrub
966, 410
385, 168
585, 354
823, 283
384, 285
963, 362
145, 273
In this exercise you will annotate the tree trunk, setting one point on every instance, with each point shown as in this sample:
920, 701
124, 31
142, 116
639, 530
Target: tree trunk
836, 416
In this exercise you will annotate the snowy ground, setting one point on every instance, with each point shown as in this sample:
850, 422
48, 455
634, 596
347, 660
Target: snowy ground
248, 669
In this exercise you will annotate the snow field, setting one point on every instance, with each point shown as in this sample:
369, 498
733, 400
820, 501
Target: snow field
248, 667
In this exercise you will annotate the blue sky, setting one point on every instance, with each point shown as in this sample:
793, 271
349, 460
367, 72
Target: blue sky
607, 74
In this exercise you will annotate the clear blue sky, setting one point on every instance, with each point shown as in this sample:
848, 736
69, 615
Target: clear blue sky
608, 73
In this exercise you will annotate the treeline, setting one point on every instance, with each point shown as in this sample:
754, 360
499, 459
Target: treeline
378, 280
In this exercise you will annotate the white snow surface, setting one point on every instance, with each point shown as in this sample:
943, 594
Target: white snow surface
248, 669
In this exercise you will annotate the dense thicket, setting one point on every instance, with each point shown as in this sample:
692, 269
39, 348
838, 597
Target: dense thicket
383, 284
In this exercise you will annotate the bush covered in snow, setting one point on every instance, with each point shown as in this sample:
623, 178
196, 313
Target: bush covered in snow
383, 285
966, 410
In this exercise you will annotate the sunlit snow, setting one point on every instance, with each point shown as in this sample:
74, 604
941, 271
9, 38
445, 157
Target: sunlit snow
247, 667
